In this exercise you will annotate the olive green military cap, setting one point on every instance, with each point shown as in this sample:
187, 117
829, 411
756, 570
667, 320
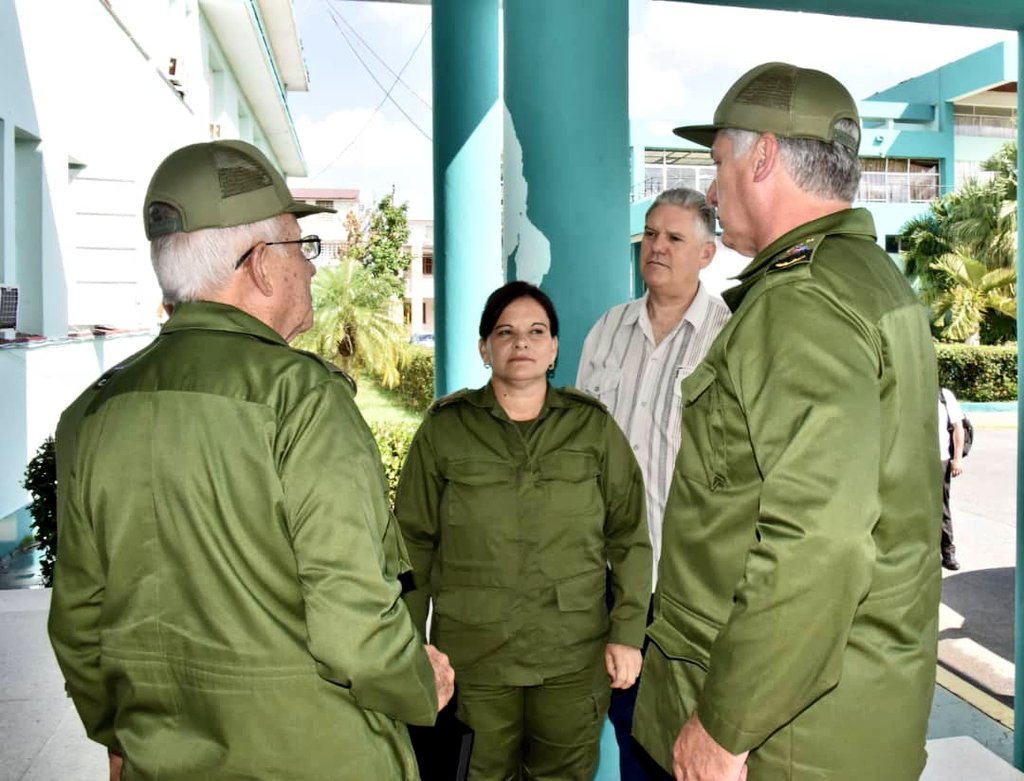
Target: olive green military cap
786, 100
217, 184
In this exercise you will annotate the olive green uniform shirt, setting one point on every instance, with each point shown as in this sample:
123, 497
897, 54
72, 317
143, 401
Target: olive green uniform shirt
226, 600
797, 600
511, 528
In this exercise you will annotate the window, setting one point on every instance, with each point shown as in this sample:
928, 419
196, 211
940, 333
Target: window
986, 121
428, 263
898, 180
668, 168
328, 204
971, 169
892, 244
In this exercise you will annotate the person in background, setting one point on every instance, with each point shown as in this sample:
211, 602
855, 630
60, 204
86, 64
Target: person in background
951, 453
226, 602
635, 359
513, 499
796, 613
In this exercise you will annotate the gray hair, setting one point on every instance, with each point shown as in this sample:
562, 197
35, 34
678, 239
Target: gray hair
827, 170
692, 200
199, 263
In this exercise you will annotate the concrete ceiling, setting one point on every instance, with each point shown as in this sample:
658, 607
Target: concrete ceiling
994, 14
250, 47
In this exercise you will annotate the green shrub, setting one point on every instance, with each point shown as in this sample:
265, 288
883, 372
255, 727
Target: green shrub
985, 373
393, 440
41, 481
417, 383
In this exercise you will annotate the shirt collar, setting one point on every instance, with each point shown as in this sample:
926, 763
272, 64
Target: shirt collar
636, 311
214, 316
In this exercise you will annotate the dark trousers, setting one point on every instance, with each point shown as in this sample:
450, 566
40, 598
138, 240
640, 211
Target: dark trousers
635, 764
948, 548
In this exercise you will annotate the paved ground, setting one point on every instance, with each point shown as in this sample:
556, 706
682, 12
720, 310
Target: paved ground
976, 620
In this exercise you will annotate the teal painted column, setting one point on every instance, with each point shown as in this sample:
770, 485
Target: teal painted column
467, 184
1018, 610
566, 159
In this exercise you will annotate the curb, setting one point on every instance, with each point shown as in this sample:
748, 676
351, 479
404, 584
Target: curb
973, 696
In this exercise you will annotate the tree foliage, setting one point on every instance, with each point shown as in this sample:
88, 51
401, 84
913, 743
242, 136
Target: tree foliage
352, 324
40, 480
964, 235
970, 292
381, 247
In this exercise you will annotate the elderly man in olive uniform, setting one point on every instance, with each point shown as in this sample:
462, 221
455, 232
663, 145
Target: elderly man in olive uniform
226, 601
795, 623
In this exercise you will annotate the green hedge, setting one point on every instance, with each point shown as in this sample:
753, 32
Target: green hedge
985, 373
417, 383
393, 440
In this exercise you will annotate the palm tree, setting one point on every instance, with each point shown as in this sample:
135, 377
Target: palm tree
983, 220
352, 325
970, 293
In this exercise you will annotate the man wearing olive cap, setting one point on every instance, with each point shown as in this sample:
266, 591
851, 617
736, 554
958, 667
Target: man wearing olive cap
795, 625
226, 600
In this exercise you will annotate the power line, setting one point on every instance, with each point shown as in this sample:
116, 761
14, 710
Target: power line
387, 91
387, 96
379, 59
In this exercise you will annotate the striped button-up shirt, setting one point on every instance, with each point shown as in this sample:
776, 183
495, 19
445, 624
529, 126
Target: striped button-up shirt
639, 381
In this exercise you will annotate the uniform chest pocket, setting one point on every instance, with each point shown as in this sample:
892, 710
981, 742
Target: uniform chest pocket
569, 480
702, 446
477, 491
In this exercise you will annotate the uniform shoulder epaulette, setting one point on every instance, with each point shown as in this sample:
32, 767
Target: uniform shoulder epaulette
797, 255
448, 400
333, 368
577, 395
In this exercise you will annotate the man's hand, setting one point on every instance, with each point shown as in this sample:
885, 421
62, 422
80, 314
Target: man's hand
697, 757
116, 763
444, 675
623, 664
956, 467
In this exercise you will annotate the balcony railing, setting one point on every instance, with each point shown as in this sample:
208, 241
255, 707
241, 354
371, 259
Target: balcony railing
984, 125
879, 186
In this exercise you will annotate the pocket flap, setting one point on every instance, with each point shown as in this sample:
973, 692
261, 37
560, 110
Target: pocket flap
604, 381
473, 606
675, 645
681, 633
581, 592
569, 466
477, 472
699, 381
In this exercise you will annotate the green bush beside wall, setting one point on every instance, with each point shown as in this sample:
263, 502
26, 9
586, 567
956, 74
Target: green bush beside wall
982, 373
417, 383
393, 440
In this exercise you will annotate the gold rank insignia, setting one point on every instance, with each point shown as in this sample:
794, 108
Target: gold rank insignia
795, 255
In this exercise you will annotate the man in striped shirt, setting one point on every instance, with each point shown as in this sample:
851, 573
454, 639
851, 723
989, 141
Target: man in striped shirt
635, 358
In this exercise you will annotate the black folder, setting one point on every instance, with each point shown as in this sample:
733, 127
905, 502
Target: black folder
442, 751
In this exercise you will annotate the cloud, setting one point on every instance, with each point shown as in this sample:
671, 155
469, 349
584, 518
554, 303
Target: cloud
683, 56
357, 148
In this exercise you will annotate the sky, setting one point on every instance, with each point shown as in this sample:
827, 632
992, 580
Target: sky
682, 58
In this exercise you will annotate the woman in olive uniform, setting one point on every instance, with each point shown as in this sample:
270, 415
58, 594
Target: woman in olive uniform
514, 501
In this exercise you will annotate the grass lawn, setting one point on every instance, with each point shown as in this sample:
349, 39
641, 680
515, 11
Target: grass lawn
380, 405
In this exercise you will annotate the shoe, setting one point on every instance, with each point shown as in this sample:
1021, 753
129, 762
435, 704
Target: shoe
950, 562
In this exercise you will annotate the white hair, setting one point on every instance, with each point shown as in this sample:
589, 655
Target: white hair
828, 170
199, 263
694, 202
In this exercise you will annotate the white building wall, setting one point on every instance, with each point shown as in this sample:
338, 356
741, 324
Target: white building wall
87, 111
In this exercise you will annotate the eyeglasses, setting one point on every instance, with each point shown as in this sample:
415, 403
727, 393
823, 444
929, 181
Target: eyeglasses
309, 246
